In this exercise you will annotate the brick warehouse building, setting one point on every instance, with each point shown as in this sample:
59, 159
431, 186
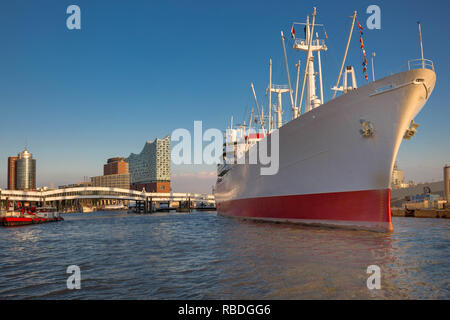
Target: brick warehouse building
115, 166
115, 175
150, 169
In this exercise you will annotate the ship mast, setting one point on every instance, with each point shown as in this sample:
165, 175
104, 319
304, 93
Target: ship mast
261, 120
294, 109
320, 71
309, 46
421, 45
270, 96
249, 130
373, 71
345, 55
279, 90
296, 87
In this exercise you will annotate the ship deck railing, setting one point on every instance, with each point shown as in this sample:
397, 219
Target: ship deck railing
420, 64
303, 42
410, 65
280, 86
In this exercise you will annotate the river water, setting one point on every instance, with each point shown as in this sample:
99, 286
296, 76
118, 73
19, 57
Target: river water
205, 256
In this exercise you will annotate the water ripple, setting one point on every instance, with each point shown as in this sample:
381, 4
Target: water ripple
205, 256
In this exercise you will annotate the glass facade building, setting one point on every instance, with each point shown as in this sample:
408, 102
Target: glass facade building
25, 175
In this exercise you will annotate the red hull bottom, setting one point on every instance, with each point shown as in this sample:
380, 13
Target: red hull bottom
368, 210
17, 221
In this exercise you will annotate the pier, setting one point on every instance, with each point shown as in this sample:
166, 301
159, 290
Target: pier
74, 199
421, 213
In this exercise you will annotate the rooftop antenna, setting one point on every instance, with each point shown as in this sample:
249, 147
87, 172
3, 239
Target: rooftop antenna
421, 45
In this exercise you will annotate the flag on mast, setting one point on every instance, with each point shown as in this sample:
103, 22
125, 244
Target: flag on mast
364, 64
293, 32
360, 27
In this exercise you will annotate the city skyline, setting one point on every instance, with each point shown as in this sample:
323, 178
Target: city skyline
131, 75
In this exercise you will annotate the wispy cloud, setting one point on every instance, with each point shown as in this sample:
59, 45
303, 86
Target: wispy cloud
197, 175
200, 182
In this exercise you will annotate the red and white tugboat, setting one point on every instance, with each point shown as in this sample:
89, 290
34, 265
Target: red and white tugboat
29, 215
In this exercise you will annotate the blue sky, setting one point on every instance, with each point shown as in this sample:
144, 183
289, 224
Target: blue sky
140, 69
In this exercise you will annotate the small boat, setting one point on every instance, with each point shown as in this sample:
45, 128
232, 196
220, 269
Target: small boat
86, 209
115, 207
29, 215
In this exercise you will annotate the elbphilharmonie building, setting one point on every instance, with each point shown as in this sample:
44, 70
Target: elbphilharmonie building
150, 169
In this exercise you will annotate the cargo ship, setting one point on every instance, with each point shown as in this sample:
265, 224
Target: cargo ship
335, 157
29, 215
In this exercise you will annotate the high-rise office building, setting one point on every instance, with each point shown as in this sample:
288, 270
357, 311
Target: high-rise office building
12, 172
24, 169
150, 169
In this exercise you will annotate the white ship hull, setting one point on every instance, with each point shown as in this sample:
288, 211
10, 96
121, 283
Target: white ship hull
328, 172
